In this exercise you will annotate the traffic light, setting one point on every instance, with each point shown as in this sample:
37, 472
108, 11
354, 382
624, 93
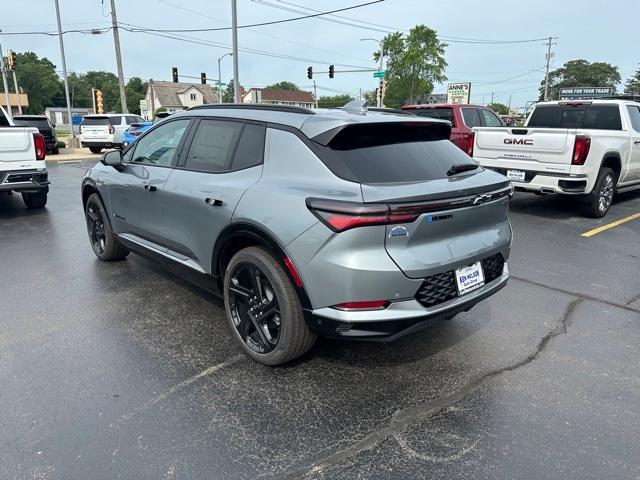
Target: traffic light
203, 78
99, 103
310, 73
10, 61
174, 74
331, 70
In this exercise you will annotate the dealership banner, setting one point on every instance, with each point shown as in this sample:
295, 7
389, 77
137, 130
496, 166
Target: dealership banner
584, 93
458, 92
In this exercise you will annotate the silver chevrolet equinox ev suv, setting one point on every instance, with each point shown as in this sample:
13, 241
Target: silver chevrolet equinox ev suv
346, 223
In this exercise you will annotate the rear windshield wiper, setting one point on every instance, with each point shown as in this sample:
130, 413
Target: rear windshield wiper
461, 167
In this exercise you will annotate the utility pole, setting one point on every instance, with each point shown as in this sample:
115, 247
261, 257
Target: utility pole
546, 75
509, 107
15, 85
491, 98
234, 29
6, 86
315, 93
64, 74
116, 41
381, 96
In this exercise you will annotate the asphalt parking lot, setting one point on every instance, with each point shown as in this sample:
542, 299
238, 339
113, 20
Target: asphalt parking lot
126, 370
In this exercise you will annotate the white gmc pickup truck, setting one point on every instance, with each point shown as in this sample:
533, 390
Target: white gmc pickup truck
22, 164
589, 148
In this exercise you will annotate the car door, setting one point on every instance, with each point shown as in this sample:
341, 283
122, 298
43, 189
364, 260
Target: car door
633, 172
136, 192
223, 160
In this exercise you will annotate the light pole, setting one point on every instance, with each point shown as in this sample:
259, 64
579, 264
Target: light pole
6, 85
380, 68
64, 75
220, 76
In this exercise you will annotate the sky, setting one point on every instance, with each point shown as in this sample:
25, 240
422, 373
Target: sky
588, 29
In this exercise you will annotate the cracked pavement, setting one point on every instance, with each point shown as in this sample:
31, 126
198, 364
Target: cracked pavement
127, 370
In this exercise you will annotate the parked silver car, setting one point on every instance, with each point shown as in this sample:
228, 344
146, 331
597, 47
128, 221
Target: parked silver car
351, 225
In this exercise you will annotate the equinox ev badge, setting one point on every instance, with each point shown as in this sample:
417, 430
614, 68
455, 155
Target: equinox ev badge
398, 232
436, 218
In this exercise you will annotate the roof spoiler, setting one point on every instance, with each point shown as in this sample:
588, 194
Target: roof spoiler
387, 132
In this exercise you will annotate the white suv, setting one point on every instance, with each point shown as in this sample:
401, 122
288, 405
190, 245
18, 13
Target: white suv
105, 130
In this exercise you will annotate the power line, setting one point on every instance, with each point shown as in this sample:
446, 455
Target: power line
258, 32
201, 41
273, 22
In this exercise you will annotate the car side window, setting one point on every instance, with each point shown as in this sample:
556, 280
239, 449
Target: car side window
490, 119
634, 114
471, 117
160, 145
250, 151
213, 146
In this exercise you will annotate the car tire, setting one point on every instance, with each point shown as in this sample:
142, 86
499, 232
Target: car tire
277, 296
95, 149
103, 242
35, 200
598, 202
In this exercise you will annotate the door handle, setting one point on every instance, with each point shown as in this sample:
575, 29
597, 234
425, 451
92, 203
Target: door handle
214, 202
150, 188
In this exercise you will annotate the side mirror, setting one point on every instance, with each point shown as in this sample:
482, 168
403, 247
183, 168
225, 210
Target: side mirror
113, 158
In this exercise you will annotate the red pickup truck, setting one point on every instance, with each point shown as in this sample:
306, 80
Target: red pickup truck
462, 117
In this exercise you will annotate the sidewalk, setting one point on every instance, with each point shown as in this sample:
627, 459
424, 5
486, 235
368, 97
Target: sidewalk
73, 154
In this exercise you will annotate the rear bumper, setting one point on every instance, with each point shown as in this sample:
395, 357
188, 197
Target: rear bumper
399, 319
548, 183
99, 144
24, 181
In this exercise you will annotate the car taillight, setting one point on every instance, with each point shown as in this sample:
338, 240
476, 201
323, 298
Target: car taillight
468, 147
111, 129
371, 305
38, 143
340, 216
135, 133
580, 149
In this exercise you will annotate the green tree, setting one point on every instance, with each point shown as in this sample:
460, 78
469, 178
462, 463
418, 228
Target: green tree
632, 87
107, 82
284, 86
370, 97
333, 101
228, 95
136, 90
415, 63
499, 108
581, 73
39, 80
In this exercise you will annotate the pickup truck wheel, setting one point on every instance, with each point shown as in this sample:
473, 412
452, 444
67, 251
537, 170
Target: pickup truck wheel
599, 200
35, 200
263, 309
95, 149
104, 243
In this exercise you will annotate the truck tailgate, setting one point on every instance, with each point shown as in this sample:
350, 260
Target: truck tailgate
16, 144
528, 145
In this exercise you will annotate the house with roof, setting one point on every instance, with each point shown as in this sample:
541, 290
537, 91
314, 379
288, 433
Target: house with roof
299, 98
175, 96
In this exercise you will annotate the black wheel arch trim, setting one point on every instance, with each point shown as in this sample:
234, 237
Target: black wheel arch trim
259, 235
90, 183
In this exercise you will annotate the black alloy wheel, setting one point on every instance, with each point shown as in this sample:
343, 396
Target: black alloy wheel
95, 226
254, 306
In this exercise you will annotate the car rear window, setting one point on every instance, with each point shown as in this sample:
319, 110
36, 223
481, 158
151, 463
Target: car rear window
392, 153
598, 117
31, 122
95, 121
439, 113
